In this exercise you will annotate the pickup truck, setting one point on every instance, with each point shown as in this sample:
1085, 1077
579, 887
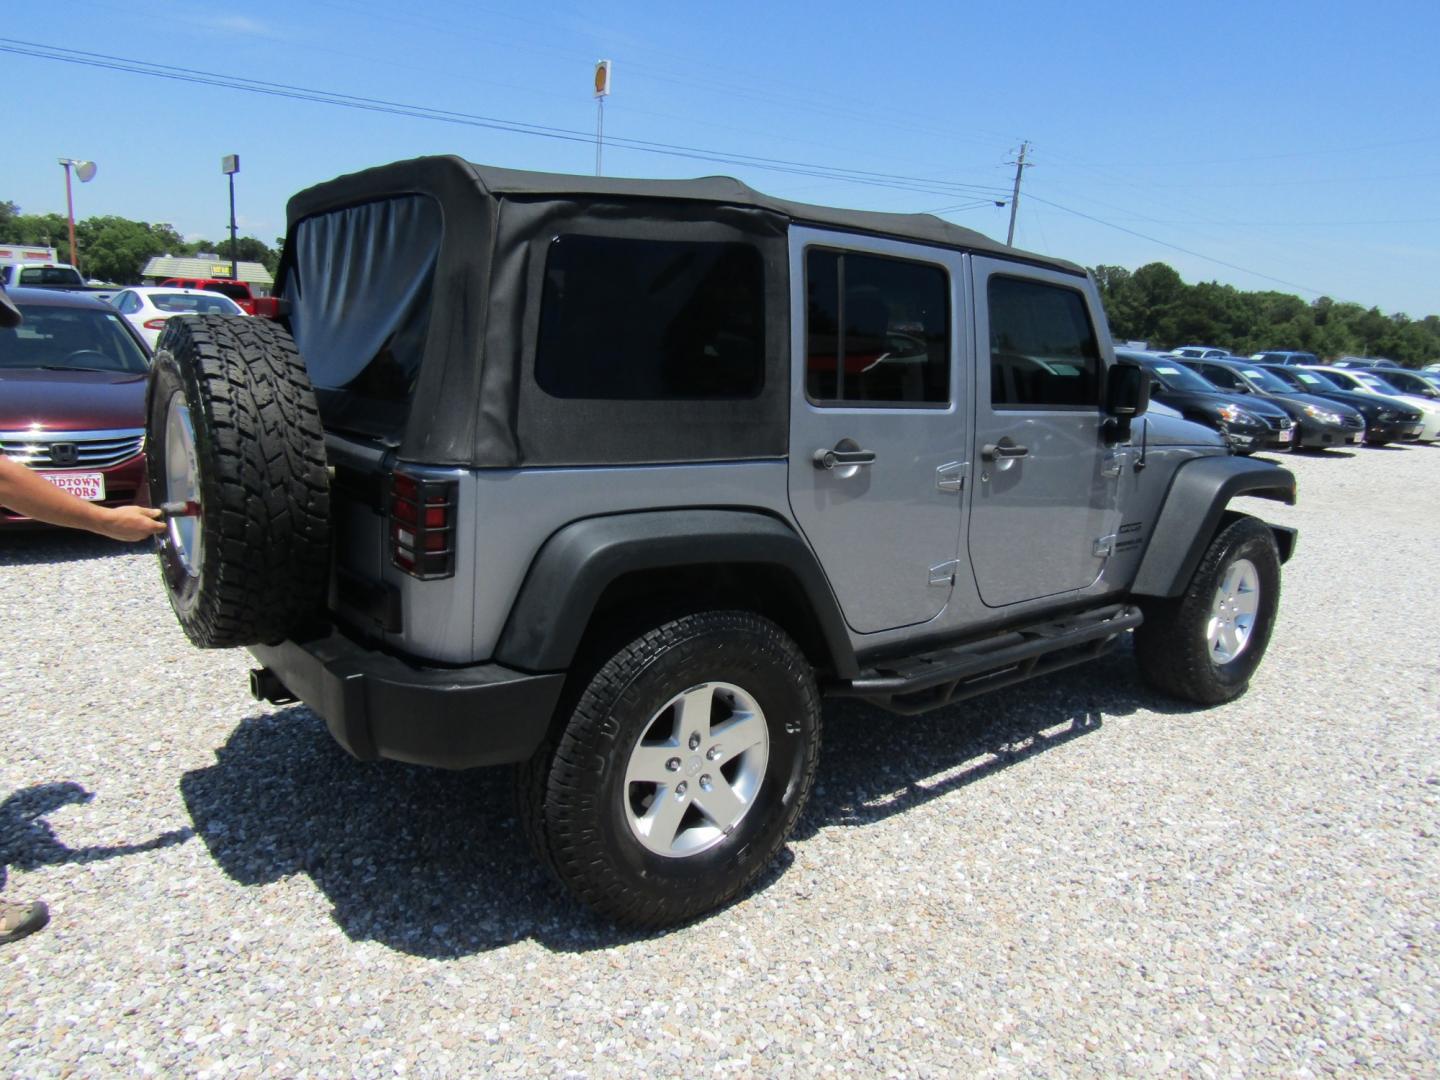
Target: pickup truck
42, 275
40, 268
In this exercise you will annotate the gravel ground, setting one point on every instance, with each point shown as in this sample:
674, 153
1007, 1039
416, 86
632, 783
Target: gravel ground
1075, 876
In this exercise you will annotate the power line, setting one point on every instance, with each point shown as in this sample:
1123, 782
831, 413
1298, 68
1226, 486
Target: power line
379, 105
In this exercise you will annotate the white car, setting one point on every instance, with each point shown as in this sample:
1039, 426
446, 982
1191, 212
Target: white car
147, 307
1372, 381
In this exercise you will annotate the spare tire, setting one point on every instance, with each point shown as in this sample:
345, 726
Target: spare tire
233, 431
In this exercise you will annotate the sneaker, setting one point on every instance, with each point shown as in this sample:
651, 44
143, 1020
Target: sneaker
17, 920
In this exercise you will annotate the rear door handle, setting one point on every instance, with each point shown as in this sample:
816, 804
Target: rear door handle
993, 451
835, 459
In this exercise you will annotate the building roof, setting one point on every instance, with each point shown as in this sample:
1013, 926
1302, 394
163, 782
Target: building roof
168, 266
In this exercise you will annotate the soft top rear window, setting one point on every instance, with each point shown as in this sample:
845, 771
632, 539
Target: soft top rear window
359, 285
625, 319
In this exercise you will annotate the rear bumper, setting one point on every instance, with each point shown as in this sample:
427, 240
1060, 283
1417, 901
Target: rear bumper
379, 706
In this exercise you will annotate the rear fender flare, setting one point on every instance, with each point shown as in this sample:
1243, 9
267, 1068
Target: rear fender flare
577, 563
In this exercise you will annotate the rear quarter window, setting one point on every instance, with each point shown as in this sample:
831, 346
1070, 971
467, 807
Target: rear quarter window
649, 320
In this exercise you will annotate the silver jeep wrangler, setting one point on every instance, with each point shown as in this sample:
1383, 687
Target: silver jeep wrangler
617, 479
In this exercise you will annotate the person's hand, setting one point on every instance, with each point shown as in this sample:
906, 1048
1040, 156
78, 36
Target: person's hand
131, 523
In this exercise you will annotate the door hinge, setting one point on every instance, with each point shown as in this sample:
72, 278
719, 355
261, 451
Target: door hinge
1104, 546
951, 476
944, 574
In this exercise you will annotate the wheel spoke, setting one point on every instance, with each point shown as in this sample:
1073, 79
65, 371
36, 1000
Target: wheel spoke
738, 734
720, 803
649, 764
695, 706
662, 821
1227, 642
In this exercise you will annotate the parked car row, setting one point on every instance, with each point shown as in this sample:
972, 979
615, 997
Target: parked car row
1282, 400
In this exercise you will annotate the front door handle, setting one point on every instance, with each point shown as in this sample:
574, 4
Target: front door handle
995, 451
836, 459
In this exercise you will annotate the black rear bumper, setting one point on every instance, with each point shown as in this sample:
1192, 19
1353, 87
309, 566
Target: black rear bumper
379, 706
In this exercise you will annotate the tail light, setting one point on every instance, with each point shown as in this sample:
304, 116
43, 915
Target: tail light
154, 324
422, 526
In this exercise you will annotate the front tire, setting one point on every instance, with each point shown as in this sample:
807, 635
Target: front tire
686, 763
1206, 644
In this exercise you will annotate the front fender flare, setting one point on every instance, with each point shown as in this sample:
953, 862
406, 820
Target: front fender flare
1193, 510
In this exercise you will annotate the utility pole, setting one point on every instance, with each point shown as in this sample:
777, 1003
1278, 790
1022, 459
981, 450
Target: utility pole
1020, 167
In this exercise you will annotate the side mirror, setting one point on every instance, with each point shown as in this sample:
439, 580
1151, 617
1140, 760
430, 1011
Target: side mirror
1127, 395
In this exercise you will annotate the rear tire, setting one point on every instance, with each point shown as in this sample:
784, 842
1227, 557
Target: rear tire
686, 763
1206, 644
233, 427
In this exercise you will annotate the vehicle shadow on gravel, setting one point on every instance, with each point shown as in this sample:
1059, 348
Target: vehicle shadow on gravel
434, 863
38, 547
876, 764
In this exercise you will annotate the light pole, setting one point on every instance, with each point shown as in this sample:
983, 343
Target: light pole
86, 171
602, 91
230, 165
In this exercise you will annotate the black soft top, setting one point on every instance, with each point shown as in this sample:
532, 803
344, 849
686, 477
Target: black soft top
448, 258
450, 178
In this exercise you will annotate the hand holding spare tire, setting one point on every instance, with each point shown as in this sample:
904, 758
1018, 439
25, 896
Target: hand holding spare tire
234, 430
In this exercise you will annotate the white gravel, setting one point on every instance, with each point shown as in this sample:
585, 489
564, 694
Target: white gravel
1072, 877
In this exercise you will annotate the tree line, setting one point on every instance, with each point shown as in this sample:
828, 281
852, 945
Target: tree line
116, 249
1153, 304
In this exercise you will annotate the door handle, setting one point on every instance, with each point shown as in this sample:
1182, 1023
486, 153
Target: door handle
994, 451
833, 459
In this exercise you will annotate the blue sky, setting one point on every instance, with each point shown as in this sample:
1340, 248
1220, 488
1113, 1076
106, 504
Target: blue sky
1297, 142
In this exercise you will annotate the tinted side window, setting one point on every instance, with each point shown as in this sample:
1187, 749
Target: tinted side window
646, 320
1043, 350
877, 330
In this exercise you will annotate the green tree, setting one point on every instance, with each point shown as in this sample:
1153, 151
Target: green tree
116, 249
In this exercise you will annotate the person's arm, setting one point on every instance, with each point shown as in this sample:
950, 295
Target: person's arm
35, 497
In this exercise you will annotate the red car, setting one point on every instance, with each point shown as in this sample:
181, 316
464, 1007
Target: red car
72, 397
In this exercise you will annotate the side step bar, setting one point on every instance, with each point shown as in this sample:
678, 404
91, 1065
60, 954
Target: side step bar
915, 684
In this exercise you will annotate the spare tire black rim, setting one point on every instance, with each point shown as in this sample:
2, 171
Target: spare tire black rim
182, 483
